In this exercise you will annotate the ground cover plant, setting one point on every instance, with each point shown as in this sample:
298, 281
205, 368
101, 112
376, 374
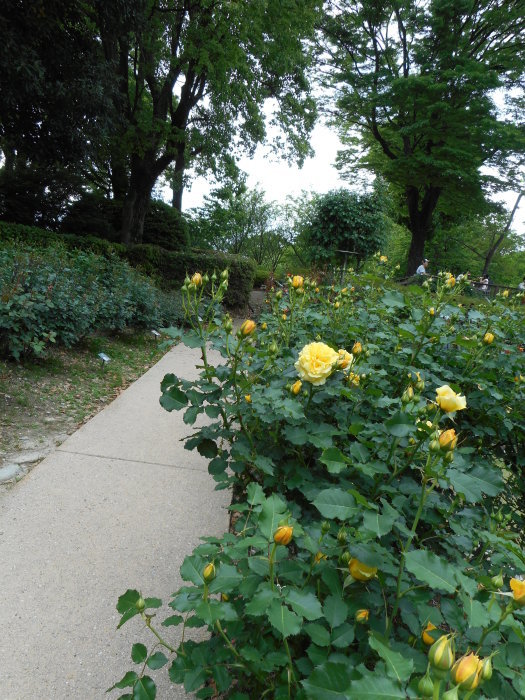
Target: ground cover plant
374, 441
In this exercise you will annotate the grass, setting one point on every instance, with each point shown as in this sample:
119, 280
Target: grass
42, 399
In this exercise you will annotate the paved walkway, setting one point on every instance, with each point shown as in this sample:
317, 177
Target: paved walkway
119, 505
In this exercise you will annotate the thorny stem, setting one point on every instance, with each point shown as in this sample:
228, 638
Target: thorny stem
147, 620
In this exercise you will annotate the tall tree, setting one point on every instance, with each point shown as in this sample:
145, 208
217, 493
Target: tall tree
193, 78
415, 84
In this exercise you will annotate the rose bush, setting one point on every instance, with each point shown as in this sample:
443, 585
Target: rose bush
378, 499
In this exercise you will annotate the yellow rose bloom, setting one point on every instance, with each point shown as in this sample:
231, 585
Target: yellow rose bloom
297, 281
442, 653
319, 557
466, 671
316, 363
518, 591
431, 311
345, 359
362, 615
451, 281
337, 305
248, 327
354, 379
283, 535
426, 636
197, 279
208, 573
448, 400
317, 290
488, 338
505, 293
264, 326
383, 259
361, 572
357, 348
284, 317
248, 398
448, 440
296, 388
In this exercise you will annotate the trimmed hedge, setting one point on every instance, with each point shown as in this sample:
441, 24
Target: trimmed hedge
170, 267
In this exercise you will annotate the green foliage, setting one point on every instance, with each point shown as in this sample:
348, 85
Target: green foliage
383, 518
169, 267
52, 295
344, 220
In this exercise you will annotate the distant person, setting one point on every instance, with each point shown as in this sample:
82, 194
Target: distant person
422, 269
484, 284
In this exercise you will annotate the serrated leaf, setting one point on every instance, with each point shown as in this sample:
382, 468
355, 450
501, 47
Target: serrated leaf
334, 460
380, 523
335, 503
144, 689
157, 660
343, 636
318, 634
261, 600
397, 666
335, 610
284, 620
305, 604
400, 424
138, 653
173, 399
328, 682
272, 511
173, 620
375, 687
125, 682
474, 483
226, 580
429, 568
191, 570
126, 605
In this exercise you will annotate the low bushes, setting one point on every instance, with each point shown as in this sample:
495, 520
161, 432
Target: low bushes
374, 442
168, 267
55, 295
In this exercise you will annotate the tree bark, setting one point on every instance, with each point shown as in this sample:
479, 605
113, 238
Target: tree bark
420, 212
136, 203
178, 177
492, 250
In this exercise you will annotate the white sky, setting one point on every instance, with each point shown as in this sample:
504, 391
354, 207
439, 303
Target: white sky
278, 179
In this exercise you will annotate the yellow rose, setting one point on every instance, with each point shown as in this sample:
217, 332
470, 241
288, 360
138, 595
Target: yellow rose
248, 398
284, 317
197, 279
283, 535
296, 388
505, 293
431, 311
209, 573
353, 379
319, 557
448, 400
448, 440
451, 281
248, 327
362, 615
427, 638
488, 338
297, 281
360, 571
518, 591
345, 359
442, 653
466, 671
316, 363
317, 290
337, 305
357, 348
383, 259
264, 326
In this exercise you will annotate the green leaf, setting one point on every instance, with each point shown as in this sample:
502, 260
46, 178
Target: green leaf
334, 460
261, 600
474, 483
207, 448
328, 682
272, 511
144, 689
157, 660
393, 299
305, 604
318, 634
380, 523
138, 653
191, 570
226, 580
375, 687
212, 610
126, 605
335, 610
173, 399
173, 620
284, 620
125, 682
397, 666
335, 503
429, 568
190, 415
400, 424
343, 636
255, 494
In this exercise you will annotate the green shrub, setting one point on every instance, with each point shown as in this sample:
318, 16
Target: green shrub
261, 277
169, 267
165, 227
55, 295
359, 517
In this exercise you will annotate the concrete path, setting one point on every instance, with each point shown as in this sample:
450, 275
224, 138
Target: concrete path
119, 505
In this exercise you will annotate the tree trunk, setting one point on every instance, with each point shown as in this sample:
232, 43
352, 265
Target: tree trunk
178, 177
492, 250
136, 203
420, 216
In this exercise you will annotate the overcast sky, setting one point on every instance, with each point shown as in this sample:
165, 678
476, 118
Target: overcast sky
278, 179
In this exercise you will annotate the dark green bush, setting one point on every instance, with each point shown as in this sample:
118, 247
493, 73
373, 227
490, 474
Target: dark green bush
166, 227
55, 295
170, 267
261, 277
